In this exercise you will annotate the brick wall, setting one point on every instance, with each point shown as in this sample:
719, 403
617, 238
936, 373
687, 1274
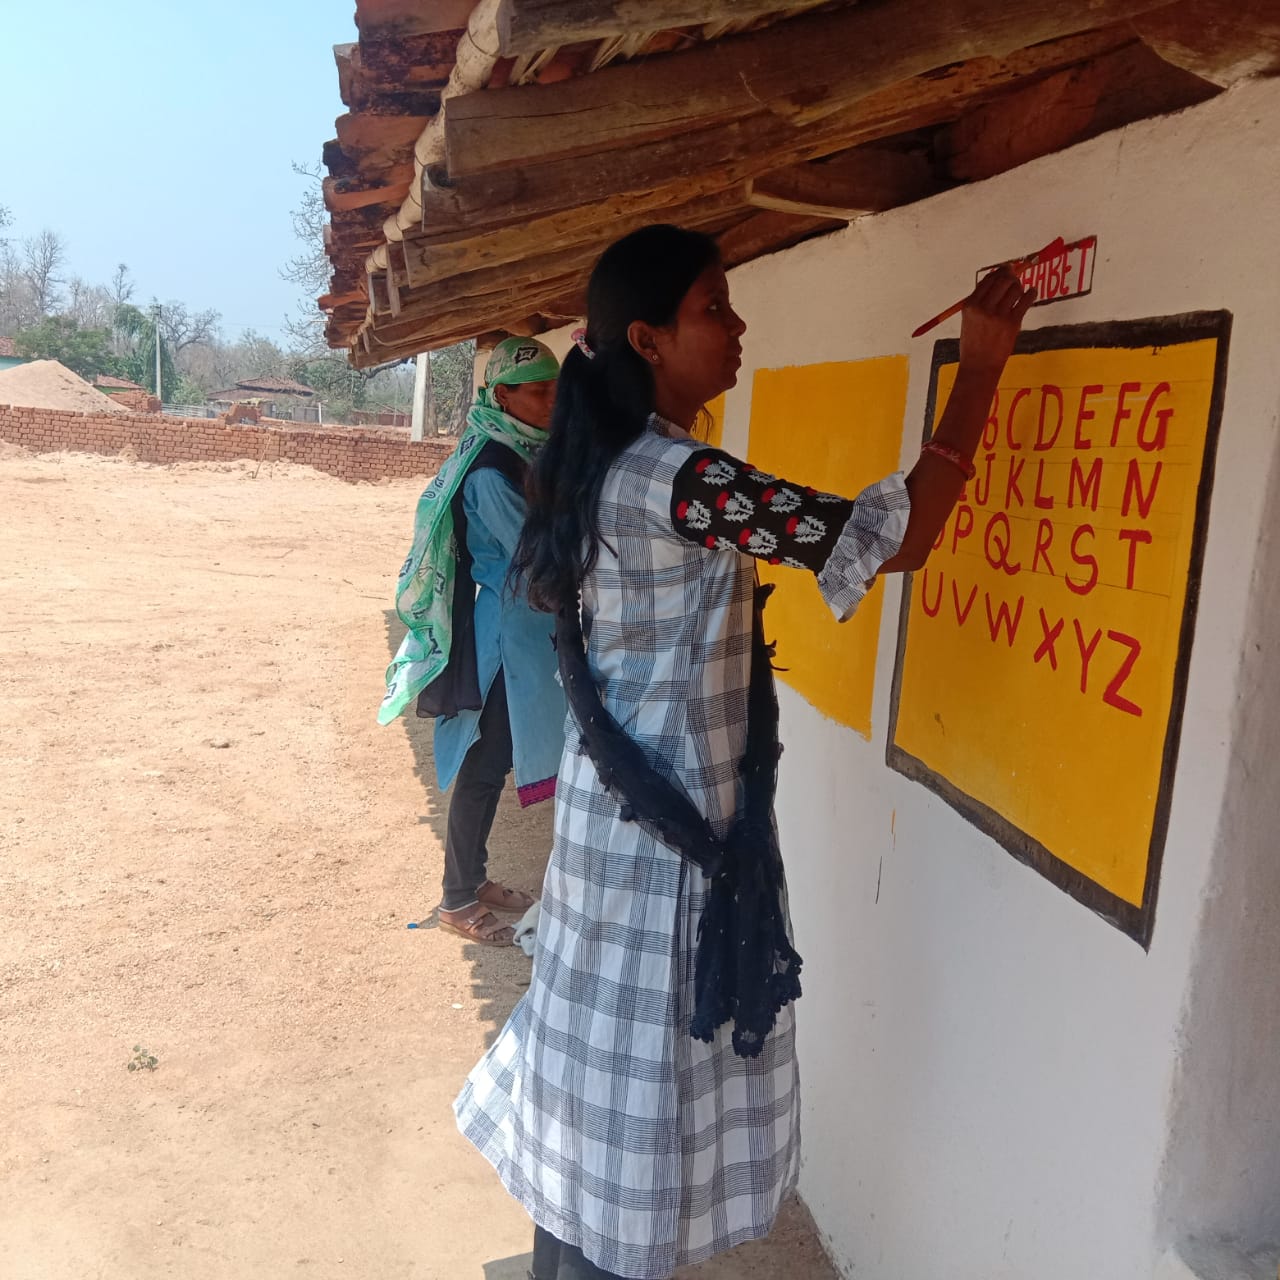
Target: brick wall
351, 453
135, 401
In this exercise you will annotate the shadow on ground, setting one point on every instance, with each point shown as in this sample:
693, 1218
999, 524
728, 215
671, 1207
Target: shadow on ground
509, 1268
519, 846
792, 1252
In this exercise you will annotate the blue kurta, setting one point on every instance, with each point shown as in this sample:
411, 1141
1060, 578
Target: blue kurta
508, 635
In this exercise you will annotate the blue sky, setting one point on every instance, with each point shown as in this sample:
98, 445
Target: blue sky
160, 132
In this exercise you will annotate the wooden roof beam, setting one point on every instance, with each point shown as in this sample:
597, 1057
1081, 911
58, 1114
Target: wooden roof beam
846, 186
457, 253
476, 57
555, 285
663, 172
800, 71
1218, 40
527, 26
377, 347
768, 232
572, 265
447, 272
565, 268
486, 298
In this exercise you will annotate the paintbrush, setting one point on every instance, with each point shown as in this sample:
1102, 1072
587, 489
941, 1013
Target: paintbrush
1018, 266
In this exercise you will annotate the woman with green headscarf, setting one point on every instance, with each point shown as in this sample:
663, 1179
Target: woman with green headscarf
476, 657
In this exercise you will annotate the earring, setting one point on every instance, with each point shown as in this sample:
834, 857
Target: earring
654, 359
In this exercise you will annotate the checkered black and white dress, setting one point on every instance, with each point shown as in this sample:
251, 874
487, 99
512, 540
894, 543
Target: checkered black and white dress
616, 1130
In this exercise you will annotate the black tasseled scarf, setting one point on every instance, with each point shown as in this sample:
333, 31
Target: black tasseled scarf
746, 968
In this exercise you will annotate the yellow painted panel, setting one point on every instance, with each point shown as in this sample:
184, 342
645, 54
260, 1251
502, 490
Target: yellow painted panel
838, 428
1043, 638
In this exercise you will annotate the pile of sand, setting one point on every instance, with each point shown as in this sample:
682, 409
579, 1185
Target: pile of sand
46, 384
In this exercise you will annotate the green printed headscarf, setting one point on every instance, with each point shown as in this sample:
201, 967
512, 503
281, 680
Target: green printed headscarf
424, 591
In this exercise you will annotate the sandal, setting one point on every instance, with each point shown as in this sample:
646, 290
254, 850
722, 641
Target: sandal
478, 924
500, 898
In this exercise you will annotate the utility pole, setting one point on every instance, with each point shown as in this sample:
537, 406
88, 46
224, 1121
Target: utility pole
431, 409
423, 392
155, 317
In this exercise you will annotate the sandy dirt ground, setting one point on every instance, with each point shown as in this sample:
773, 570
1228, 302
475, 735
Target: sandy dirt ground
208, 849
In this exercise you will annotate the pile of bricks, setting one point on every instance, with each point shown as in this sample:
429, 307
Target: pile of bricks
350, 453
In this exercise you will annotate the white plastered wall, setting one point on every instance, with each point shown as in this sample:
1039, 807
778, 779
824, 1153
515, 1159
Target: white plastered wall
997, 1084
989, 1069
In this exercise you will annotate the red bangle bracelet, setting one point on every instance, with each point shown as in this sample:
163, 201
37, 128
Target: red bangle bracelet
953, 456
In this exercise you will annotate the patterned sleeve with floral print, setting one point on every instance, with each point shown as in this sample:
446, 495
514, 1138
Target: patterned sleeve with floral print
724, 504
728, 505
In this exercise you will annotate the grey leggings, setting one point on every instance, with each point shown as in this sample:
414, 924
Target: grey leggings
476, 793
555, 1260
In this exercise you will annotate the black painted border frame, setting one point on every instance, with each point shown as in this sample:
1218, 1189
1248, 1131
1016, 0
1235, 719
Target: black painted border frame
1163, 331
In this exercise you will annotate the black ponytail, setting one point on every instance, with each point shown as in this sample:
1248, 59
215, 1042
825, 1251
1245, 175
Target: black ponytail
602, 404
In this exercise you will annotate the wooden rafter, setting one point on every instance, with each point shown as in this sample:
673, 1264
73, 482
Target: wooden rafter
649, 183
549, 272
1219, 40
669, 170
800, 71
554, 285
526, 26
761, 126
767, 232
474, 62
435, 301
864, 180
440, 257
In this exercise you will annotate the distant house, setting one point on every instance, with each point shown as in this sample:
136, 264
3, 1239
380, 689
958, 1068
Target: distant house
9, 355
383, 416
131, 394
109, 385
275, 397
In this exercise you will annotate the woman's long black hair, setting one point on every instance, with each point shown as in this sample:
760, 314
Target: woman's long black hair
602, 405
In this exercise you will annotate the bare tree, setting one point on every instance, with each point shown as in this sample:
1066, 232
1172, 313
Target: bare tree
121, 287
43, 257
13, 310
182, 328
310, 269
258, 356
89, 305
329, 372
210, 367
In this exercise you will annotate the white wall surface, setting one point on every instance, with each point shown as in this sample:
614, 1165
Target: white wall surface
1224, 1161
988, 1068
997, 1084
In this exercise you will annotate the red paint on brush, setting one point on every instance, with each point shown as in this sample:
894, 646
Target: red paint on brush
1051, 250
1017, 266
